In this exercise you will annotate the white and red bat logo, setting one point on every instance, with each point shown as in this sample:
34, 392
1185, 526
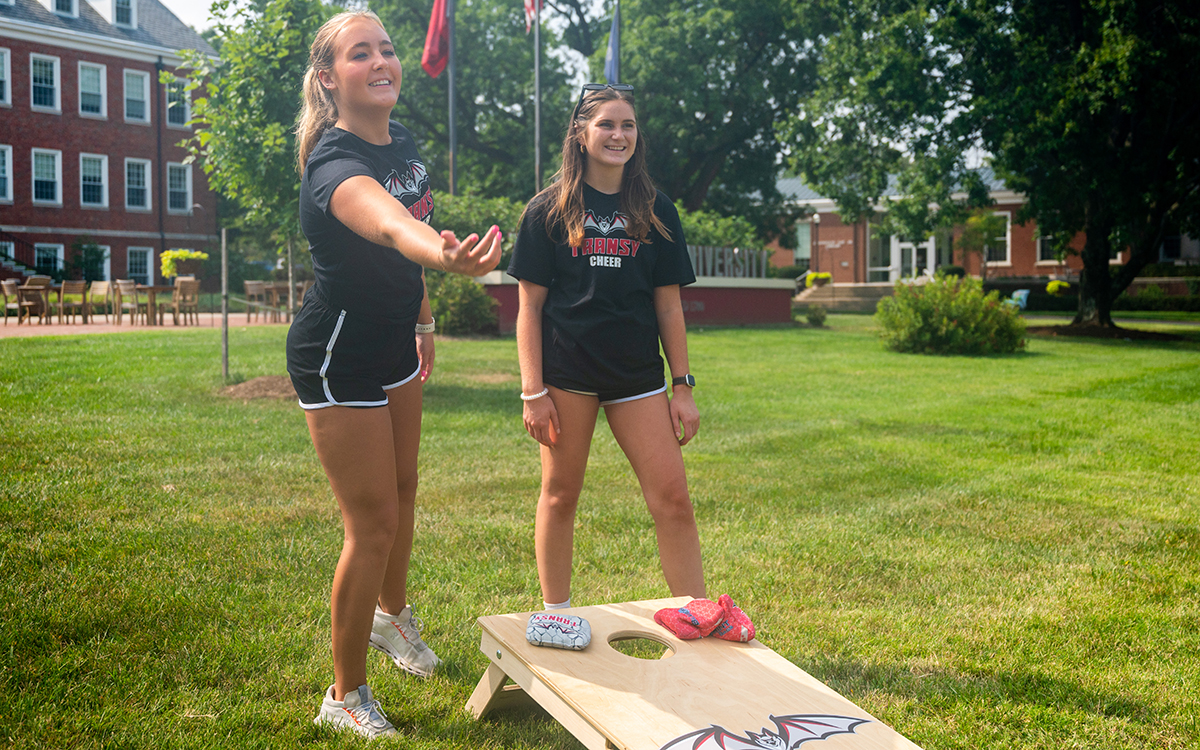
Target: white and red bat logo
793, 730
410, 182
604, 225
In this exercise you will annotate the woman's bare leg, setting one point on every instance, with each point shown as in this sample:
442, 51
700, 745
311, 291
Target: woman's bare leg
644, 432
356, 449
563, 466
404, 404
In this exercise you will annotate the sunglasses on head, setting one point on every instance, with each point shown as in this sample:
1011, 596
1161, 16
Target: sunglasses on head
597, 87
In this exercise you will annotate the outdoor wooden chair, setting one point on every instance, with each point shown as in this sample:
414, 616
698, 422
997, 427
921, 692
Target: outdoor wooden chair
256, 298
128, 298
8, 290
71, 298
99, 296
185, 300
34, 297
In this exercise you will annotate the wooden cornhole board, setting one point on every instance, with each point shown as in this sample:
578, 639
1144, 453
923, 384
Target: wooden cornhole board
610, 700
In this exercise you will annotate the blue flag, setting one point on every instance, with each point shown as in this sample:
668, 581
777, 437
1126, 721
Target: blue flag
612, 58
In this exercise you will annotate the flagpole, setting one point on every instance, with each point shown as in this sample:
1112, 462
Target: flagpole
537, 96
617, 57
453, 135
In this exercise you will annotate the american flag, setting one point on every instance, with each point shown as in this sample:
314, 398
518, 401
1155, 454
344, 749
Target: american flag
529, 13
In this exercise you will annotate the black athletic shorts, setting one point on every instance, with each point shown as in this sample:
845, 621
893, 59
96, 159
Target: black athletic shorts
338, 358
621, 394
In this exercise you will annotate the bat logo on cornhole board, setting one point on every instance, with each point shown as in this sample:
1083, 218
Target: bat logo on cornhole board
793, 731
407, 183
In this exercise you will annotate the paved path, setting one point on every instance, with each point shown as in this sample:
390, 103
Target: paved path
207, 320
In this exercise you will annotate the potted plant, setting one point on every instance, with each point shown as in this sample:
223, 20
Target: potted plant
181, 263
813, 278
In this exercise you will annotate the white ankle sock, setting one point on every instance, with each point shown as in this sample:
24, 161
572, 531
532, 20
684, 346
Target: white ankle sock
564, 605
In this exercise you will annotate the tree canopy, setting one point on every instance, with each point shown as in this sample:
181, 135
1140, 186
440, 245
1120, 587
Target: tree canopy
1088, 107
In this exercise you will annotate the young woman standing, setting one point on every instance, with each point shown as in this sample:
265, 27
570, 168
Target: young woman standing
600, 258
362, 345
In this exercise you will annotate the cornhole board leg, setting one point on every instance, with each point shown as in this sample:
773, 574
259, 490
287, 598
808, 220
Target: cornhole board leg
492, 694
704, 694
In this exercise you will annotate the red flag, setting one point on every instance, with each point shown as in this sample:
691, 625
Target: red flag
437, 41
529, 13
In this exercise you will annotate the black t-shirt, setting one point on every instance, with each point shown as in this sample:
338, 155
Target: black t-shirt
352, 273
599, 329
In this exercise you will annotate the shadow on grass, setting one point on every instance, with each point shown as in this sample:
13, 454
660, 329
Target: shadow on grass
939, 687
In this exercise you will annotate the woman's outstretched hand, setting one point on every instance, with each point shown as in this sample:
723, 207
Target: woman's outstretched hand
472, 256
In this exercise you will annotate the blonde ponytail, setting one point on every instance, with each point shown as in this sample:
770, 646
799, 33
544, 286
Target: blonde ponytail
319, 111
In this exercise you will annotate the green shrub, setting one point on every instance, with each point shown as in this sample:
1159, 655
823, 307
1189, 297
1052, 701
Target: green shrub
812, 278
711, 229
957, 272
467, 214
815, 315
1057, 288
949, 316
787, 272
460, 306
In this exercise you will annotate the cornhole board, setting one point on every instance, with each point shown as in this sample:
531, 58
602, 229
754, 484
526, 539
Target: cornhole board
704, 694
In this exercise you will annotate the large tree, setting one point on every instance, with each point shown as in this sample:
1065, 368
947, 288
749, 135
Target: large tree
1088, 107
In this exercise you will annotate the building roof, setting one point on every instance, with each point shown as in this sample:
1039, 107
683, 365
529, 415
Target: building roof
794, 190
156, 26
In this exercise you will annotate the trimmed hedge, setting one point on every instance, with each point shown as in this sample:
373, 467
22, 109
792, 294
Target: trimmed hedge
949, 316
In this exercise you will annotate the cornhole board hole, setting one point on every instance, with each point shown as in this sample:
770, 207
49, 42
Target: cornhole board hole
705, 694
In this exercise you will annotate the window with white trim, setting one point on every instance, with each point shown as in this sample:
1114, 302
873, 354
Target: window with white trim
179, 188
93, 180
93, 90
44, 83
6, 168
1046, 252
47, 258
47, 177
998, 247
5, 78
178, 103
137, 184
137, 264
7, 249
124, 13
137, 89
66, 7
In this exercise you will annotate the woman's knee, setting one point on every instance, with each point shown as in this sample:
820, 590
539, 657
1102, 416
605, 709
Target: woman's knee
671, 504
373, 533
559, 502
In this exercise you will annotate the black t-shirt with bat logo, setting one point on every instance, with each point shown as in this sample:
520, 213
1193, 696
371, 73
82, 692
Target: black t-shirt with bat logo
352, 273
599, 328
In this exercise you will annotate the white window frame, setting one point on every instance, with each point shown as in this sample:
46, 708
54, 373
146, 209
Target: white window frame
133, 19
187, 104
7, 195
145, 77
1007, 241
148, 173
52, 5
1040, 261
103, 180
179, 211
129, 251
6, 59
103, 113
34, 153
57, 108
56, 248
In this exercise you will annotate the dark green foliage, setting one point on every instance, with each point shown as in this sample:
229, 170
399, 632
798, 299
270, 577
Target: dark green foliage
815, 315
714, 230
467, 214
956, 271
460, 306
787, 272
86, 260
949, 316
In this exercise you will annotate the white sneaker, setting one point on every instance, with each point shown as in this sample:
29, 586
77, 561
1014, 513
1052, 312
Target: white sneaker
399, 636
357, 711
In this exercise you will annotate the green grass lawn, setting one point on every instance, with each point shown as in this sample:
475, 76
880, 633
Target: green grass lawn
981, 552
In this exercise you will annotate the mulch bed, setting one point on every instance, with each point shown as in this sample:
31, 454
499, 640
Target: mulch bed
268, 386
1103, 332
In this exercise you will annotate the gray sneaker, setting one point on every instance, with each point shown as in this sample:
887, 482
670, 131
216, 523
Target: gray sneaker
358, 711
399, 636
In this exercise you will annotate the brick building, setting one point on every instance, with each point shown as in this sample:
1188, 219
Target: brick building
861, 254
88, 137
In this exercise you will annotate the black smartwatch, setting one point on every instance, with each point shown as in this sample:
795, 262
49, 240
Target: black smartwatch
687, 380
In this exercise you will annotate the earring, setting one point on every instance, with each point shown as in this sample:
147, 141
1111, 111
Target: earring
582, 149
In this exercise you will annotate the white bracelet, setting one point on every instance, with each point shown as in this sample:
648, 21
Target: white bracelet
534, 396
426, 327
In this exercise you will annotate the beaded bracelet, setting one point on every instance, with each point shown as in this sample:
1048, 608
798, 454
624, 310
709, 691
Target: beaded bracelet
536, 395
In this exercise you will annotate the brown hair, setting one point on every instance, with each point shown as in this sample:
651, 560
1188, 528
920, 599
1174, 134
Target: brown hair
320, 112
564, 197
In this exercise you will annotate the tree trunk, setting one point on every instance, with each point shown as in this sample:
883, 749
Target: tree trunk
1095, 282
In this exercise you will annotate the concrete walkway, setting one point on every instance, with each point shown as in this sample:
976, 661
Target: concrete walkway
207, 320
